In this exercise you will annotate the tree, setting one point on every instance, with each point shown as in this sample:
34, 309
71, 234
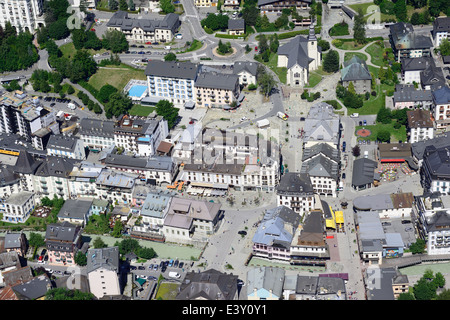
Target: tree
99, 243
131, 5
262, 43
166, 6
123, 5
146, 253
58, 29
400, 10
384, 115
324, 44
444, 295
415, 19
115, 41
117, 230
356, 151
80, 258
79, 37
406, 296
351, 88
424, 289
265, 81
359, 28
444, 47
383, 135
118, 104
166, 109
70, 90
250, 14
417, 247
281, 21
113, 5
264, 22
128, 245
36, 240
274, 43
68, 294
331, 61
105, 92
439, 280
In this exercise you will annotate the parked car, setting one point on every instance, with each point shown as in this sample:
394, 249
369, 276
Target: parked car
150, 266
171, 262
155, 267
242, 232
406, 221
181, 264
141, 268
176, 263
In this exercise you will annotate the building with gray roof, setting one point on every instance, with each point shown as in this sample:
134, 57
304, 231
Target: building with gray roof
208, 285
164, 78
102, 270
300, 56
407, 96
318, 288
272, 239
66, 146
324, 174
364, 175
356, 71
322, 125
296, 191
96, 134
247, 72
432, 78
145, 30
441, 29
406, 43
63, 241
236, 26
441, 107
16, 241
33, 289
379, 283
435, 171
265, 283
216, 89
418, 148
76, 211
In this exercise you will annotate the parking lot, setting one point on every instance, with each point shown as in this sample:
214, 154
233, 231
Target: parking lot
170, 269
402, 226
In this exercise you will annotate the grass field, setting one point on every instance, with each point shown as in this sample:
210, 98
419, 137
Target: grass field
349, 55
167, 291
396, 134
375, 50
139, 110
272, 64
347, 45
68, 50
117, 76
313, 80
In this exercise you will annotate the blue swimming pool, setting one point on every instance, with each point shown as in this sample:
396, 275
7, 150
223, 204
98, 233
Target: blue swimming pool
137, 90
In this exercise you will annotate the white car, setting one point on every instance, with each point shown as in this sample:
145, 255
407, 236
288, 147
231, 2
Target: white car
354, 115
244, 118
179, 36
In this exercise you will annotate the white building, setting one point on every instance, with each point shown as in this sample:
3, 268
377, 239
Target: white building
52, 177
300, 56
246, 71
441, 107
295, 191
441, 28
420, 125
103, 271
67, 147
172, 81
388, 206
97, 134
145, 30
18, 207
25, 15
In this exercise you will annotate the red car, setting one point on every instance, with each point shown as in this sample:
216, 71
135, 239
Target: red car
256, 48
92, 29
148, 43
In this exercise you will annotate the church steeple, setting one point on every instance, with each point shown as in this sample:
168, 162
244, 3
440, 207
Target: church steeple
312, 32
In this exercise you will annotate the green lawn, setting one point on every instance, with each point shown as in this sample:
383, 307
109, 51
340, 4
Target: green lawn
68, 50
167, 291
347, 45
314, 79
374, 104
140, 110
339, 29
396, 134
349, 55
363, 6
376, 50
272, 64
117, 76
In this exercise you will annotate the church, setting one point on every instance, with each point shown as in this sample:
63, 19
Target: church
300, 56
